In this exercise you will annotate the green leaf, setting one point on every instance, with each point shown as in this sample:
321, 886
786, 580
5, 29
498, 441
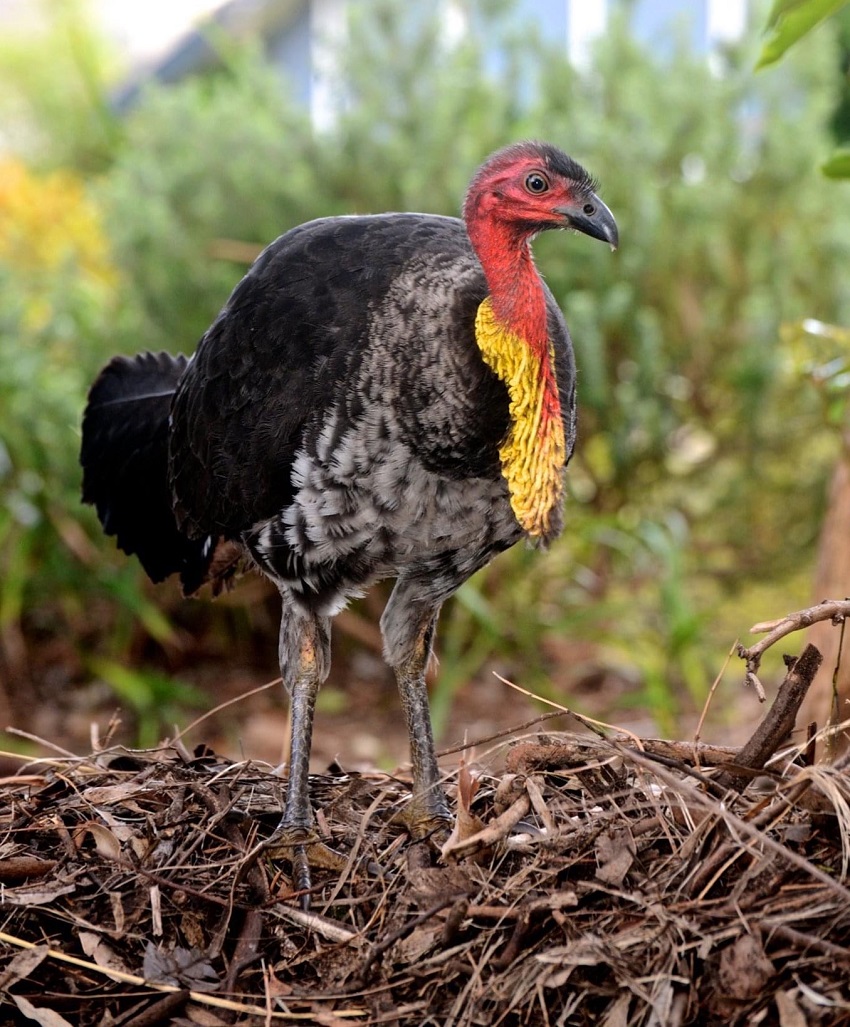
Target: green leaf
789, 21
838, 164
130, 685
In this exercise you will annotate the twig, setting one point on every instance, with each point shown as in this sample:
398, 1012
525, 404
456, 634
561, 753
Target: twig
507, 732
778, 722
494, 832
195, 996
397, 935
725, 815
161, 1010
596, 726
709, 784
557, 754
831, 736
246, 950
710, 696
700, 754
552, 754
222, 706
41, 741
331, 930
516, 942
830, 609
808, 941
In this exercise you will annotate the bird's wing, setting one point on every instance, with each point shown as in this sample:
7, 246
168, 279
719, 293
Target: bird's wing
337, 313
565, 368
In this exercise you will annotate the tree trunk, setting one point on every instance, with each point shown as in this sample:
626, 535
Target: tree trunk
832, 581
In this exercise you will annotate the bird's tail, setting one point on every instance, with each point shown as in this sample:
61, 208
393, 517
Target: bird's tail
124, 455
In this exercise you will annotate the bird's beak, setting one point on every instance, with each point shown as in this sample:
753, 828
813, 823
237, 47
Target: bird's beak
593, 218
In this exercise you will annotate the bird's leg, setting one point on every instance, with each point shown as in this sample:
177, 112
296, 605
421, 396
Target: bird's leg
304, 665
408, 629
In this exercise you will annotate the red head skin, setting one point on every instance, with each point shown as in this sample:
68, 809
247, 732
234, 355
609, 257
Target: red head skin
504, 209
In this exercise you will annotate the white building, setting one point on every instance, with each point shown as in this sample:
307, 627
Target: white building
301, 36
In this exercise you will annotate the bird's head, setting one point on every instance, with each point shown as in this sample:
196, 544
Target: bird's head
530, 187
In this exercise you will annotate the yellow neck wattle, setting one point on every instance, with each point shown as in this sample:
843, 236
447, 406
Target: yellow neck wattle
533, 454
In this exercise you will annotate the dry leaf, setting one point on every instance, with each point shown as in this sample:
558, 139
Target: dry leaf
790, 1014
466, 822
274, 987
96, 948
431, 884
124, 832
408, 951
117, 902
615, 853
618, 1013
559, 978
43, 1016
203, 1016
37, 894
21, 966
156, 910
833, 1000
557, 900
106, 795
105, 841
538, 803
588, 950
744, 969
181, 967
192, 926
17, 868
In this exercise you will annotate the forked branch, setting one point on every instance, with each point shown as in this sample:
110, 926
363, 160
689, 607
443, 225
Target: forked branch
834, 610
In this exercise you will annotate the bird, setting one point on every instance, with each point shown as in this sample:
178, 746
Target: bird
382, 396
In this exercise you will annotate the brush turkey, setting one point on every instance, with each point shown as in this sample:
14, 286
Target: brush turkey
387, 396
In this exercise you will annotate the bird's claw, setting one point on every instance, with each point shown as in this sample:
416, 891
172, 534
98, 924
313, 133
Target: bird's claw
425, 821
287, 841
303, 848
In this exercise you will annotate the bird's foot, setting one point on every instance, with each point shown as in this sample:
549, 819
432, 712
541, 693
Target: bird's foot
429, 825
303, 848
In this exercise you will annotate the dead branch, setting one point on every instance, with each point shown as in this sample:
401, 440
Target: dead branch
778, 721
830, 609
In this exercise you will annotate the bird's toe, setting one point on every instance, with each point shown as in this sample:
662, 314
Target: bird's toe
287, 840
303, 848
425, 821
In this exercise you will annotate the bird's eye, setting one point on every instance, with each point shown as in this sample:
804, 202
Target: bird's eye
536, 183
589, 209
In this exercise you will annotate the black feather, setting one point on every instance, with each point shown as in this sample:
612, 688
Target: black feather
288, 347
124, 457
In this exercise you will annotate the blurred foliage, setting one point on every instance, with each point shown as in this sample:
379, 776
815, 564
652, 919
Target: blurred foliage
56, 282
789, 21
700, 465
820, 353
205, 164
58, 291
157, 700
840, 121
54, 101
838, 164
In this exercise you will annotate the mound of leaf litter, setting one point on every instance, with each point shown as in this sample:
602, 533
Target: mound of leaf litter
594, 881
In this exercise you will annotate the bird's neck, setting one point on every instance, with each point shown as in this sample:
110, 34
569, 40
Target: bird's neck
511, 332
514, 283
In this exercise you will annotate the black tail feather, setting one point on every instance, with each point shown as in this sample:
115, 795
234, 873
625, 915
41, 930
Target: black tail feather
124, 456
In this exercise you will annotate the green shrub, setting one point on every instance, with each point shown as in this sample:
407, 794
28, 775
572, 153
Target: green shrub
700, 466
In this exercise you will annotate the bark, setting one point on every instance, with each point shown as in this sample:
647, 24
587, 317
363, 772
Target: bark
832, 580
